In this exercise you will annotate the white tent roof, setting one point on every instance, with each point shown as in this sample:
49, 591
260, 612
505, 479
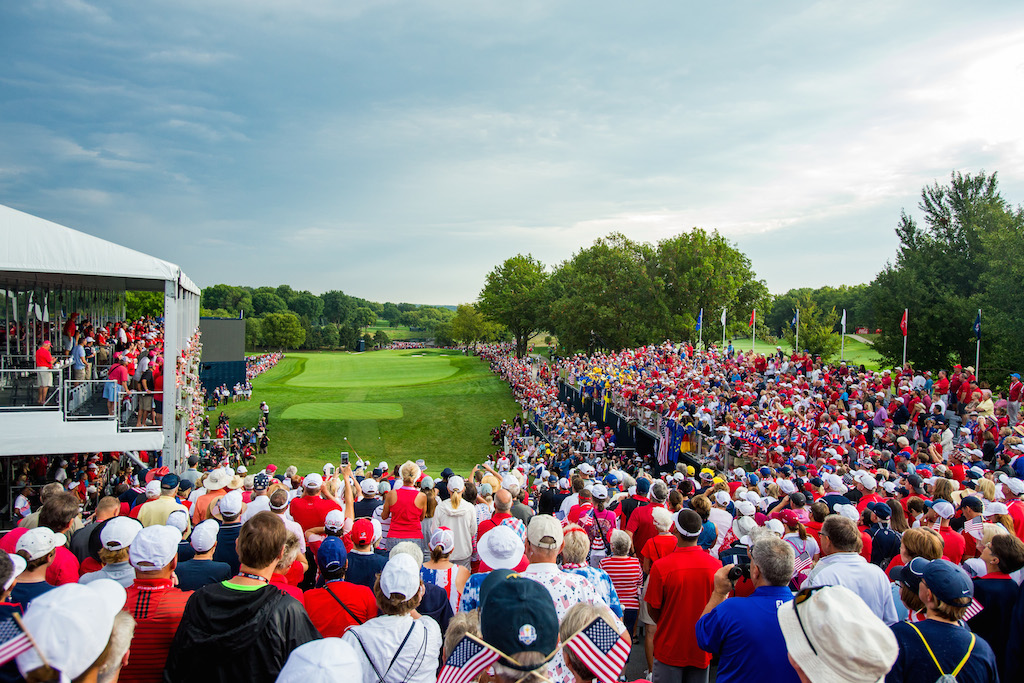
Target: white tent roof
45, 252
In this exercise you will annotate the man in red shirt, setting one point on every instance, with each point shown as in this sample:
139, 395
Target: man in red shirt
154, 601
44, 363
339, 604
310, 509
679, 586
641, 523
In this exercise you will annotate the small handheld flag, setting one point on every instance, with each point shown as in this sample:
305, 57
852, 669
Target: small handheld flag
467, 660
13, 641
801, 564
602, 649
973, 611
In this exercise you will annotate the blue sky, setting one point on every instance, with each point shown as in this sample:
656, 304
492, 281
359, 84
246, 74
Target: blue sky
399, 150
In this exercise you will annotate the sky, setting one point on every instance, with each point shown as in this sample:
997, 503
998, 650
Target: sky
400, 150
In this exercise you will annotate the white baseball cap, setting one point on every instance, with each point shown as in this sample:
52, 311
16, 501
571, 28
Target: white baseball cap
312, 481
204, 535
71, 626
119, 532
400, 575
456, 483
335, 520
153, 489
368, 486
154, 547
600, 492
39, 542
19, 566
179, 520
1015, 485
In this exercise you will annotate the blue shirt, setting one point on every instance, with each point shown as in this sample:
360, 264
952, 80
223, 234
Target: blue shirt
747, 635
78, 357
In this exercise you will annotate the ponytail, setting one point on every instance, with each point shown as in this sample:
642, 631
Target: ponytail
455, 498
437, 553
802, 530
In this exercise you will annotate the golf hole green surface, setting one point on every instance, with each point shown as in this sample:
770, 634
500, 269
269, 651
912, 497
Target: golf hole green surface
343, 411
352, 371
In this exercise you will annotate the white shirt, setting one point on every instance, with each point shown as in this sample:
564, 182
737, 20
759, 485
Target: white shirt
863, 578
258, 504
378, 639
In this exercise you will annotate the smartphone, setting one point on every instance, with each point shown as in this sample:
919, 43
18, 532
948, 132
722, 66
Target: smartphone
344, 458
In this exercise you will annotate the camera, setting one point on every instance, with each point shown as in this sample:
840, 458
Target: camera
344, 458
740, 571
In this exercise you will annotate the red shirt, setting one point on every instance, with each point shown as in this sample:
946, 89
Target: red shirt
953, 544
659, 547
63, 569
43, 357
280, 581
329, 617
680, 585
641, 525
311, 511
627, 578
157, 607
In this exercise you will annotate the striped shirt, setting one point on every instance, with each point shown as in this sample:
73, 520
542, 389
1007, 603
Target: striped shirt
157, 607
627, 577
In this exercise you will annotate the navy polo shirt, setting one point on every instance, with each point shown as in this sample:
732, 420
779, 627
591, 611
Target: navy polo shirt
745, 632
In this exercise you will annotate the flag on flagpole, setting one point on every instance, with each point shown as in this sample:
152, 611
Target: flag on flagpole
843, 321
723, 317
13, 641
601, 649
700, 319
796, 318
903, 323
753, 315
467, 660
977, 326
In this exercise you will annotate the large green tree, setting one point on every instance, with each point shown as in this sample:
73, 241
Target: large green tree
283, 331
939, 271
513, 296
139, 304
817, 329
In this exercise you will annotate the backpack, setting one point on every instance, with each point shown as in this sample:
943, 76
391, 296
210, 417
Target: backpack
943, 676
885, 545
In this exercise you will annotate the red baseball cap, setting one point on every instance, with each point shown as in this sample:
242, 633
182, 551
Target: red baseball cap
362, 531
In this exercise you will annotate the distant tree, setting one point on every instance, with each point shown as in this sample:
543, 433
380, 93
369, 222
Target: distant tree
337, 306
265, 302
283, 331
380, 338
253, 333
364, 317
443, 335
306, 305
330, 336
817, 330
514, 295
139, 304
391, 313
468, 326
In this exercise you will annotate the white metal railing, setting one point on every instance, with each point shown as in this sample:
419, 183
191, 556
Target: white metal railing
20, 389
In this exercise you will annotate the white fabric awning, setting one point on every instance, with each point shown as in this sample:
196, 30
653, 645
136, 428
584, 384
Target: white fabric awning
44, 252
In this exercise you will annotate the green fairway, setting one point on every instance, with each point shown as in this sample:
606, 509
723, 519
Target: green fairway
433, 404
857, 353
375, 369
343, 411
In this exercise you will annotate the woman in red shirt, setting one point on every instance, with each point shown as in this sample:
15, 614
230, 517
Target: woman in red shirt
117, 382
404, 506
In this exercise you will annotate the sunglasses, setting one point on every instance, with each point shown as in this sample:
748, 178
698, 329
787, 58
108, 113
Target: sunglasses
798, 599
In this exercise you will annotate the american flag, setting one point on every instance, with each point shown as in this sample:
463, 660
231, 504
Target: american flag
973, 610
13, 641
801, 564
602, 649
974, 527
466, 661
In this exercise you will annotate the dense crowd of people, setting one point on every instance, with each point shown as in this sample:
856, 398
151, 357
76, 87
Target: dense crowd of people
257, 365
873, 529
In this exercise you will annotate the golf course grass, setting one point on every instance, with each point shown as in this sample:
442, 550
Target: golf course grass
434, 404
856, 353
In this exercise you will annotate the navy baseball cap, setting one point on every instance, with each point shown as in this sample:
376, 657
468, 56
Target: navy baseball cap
447, 472
261, 481
517, 615
552, 479
331, 556
170, 481
881, 510
643, 485
910, 574
948, 582
973, 503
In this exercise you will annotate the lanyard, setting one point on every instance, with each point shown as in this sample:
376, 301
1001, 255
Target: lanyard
254, 577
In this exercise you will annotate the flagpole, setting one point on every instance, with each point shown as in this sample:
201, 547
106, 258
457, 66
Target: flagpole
723, 329
977, 352
842, 343
753, 327
905, 310
796, 342
700, 329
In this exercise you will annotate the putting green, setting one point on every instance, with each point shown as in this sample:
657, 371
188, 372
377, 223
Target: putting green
343, 411
380, 369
